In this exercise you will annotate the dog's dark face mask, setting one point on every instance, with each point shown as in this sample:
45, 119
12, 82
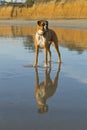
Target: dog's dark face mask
43, 25
46, 25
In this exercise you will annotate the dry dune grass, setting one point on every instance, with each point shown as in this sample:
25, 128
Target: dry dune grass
50, 10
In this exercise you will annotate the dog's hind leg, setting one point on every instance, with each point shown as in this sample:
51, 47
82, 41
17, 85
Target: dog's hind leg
49, 60
58, 52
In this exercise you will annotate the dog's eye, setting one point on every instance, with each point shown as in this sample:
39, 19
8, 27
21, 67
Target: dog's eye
43, 24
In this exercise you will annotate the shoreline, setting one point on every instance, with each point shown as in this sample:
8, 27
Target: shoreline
80, 24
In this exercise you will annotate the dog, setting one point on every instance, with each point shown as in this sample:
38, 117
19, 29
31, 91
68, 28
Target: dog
43, 39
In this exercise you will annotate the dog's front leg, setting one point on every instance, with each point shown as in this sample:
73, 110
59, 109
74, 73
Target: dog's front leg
36, 57
45, 57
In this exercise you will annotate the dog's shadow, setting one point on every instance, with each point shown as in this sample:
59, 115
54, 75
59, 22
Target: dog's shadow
46, 88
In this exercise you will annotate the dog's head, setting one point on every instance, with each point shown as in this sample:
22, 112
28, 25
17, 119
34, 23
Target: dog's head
42, 26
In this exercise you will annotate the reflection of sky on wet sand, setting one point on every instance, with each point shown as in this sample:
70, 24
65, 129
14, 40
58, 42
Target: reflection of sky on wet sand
67, 107
75, 66
73, 40
68, 38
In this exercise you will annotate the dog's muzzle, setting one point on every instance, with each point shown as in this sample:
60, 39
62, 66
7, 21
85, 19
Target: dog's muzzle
45, 27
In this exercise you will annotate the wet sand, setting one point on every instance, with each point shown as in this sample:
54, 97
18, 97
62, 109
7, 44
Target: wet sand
65, 90
72, 23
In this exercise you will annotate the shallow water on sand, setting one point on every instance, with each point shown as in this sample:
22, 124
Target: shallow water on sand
62, 89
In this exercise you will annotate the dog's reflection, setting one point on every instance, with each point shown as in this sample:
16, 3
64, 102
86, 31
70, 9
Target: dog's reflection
46, 88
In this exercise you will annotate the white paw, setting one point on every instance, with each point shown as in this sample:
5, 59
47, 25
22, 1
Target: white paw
35, 65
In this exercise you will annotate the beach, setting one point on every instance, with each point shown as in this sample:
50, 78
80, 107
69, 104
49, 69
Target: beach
43, 98
61, 88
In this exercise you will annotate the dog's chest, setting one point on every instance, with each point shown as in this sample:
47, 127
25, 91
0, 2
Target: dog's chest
41, 40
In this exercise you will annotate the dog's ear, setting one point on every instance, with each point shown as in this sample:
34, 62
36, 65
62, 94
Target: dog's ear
38, 22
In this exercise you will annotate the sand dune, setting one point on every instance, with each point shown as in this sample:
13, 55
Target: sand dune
50, 10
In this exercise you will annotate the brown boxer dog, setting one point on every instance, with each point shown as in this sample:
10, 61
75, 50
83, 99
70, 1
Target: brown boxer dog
43, 39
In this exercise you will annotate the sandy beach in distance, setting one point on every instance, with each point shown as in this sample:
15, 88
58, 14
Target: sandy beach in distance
72, 23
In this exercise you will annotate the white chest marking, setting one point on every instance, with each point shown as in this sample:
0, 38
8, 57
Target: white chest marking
40, 40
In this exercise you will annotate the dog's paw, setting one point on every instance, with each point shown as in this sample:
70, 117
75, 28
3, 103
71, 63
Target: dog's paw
35, 65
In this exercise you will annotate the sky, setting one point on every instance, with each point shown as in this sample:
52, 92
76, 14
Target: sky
14, 0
